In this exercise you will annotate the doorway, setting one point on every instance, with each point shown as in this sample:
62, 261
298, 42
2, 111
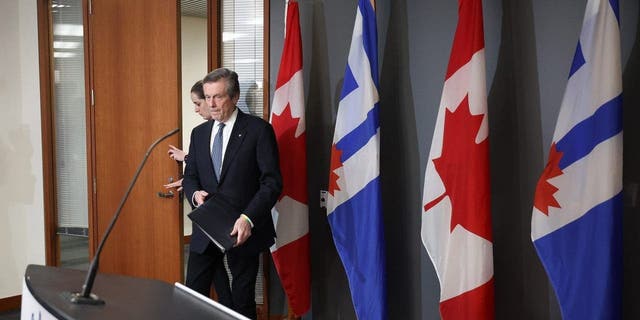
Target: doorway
131, 86
98, 124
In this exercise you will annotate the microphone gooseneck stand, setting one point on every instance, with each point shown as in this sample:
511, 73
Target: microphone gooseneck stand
86, 297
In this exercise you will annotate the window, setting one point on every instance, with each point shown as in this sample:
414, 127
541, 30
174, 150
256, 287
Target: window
70, 132
243, 50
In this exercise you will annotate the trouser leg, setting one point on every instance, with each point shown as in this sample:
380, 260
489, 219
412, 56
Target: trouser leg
221, 284
201, 269
244, 270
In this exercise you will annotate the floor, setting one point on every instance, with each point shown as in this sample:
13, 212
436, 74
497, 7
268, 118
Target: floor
10, 315
74, 252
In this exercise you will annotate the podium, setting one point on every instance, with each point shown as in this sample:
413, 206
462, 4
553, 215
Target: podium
46, 293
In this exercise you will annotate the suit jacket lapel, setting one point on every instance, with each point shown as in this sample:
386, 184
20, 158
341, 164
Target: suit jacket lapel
235, 140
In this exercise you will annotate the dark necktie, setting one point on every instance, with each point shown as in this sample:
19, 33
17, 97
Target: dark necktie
216, 151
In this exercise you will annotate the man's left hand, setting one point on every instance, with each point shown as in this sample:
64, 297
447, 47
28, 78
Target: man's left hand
242, 228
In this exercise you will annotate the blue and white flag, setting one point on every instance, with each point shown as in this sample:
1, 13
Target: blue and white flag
576, 224
354, 208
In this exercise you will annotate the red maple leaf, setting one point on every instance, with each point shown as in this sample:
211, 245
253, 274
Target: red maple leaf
545, 190
464, 169
293, 155
336, 163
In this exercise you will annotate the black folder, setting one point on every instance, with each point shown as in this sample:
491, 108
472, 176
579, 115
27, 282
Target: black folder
216, 217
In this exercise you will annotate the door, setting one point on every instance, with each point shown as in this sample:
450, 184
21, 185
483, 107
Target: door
135, 77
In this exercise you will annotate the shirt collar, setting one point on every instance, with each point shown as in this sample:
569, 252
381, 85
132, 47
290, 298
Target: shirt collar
230, 122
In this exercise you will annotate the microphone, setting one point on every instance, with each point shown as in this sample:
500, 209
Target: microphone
86, 297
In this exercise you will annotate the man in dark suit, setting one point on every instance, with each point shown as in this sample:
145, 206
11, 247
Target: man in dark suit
234, 155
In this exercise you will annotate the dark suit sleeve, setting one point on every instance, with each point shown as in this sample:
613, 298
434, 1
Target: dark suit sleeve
270, 179
191, 182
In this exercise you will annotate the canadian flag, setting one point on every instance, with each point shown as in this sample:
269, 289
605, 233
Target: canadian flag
456, 219
291, 214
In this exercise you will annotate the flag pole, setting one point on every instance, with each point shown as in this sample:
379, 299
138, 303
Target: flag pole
291, 315
286, 6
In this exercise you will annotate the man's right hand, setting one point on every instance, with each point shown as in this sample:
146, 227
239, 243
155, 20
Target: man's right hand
199, 196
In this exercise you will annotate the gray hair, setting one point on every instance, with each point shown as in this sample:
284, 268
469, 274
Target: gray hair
229, 76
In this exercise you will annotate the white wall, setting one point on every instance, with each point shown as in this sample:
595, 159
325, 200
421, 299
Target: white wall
21, 201
194, 68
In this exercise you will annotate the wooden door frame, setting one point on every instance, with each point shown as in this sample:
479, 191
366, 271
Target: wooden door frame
266, 60
214, 38
46, 116
45, 48
90, 121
